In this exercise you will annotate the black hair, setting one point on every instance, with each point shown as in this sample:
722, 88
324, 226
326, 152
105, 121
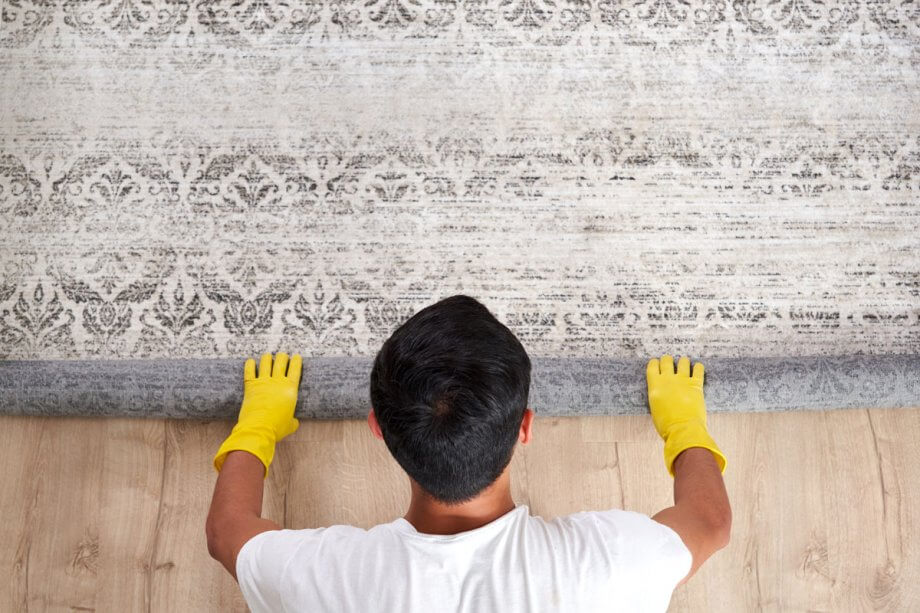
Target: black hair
449, 389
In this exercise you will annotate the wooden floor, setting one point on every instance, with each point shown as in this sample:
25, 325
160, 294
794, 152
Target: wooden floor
108, 514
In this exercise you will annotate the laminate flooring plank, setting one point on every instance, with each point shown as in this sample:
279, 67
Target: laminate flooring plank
874, 507
896, 437
24, 468
184, 576
63, 571
855, 511
619, 429
129, 502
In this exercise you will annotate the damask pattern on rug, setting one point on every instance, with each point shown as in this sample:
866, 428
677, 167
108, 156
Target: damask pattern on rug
614, 180
251, 23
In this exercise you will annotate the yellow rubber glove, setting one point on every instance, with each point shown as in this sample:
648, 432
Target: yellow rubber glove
678, 409
267, 414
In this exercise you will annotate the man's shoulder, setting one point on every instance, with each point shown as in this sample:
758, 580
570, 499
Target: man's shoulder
610, 517
620, 526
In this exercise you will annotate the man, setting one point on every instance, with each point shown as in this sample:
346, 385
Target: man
449, 391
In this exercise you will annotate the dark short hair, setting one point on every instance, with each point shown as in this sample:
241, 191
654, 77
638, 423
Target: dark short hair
449, 389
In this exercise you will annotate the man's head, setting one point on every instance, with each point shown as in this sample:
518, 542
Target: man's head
449, 389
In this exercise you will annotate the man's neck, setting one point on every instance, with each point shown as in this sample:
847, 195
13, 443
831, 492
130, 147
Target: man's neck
432, 517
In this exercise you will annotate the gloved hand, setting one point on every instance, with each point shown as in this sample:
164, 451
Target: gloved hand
267, 414
678, 409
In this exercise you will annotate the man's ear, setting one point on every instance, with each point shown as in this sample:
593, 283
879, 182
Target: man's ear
526, 425
372, 422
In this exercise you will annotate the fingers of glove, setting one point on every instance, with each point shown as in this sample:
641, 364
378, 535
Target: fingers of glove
698, 371
249, 370
651, 370
683, 366
279, 370
667, 364
265, 366
295, 367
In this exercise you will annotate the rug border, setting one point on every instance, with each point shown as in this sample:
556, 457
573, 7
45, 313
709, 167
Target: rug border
337, 387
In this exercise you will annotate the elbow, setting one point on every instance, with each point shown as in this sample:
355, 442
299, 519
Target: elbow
210, 533
721, 526
212, 542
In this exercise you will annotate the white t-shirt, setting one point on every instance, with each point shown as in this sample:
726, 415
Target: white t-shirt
589, 561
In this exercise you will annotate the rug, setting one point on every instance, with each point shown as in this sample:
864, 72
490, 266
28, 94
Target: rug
187, 184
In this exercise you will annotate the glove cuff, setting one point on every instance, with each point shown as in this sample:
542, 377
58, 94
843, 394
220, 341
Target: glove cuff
258, 442
689, 434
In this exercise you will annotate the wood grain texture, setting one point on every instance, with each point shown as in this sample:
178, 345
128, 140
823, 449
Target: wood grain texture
108, 514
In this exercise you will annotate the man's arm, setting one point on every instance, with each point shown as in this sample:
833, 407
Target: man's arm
701, 514
236, 508
243, 459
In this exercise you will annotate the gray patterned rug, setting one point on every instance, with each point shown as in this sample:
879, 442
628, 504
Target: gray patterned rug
184, 184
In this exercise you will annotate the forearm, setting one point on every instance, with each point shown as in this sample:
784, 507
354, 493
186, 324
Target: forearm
236, 508
239, 488
701, 514
700, 489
